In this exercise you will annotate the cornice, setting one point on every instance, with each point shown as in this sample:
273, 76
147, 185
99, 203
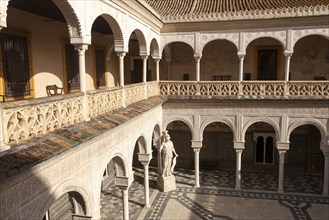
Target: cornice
142, 12
289, 12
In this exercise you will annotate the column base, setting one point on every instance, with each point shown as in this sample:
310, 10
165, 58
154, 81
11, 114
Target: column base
196, 186
237, 188
4, 147
147, 206
166, 184
280, 191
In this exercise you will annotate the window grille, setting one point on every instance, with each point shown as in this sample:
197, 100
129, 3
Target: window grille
100, 67
72, 67
15, 64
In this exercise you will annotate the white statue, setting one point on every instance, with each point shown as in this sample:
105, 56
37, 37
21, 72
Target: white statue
168, 155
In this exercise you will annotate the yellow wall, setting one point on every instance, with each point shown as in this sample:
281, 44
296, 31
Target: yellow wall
47, 37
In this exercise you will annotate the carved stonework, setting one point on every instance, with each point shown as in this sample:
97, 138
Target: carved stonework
30, 121
71, 18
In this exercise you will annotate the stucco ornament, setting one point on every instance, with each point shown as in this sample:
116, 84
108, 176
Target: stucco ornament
168, 155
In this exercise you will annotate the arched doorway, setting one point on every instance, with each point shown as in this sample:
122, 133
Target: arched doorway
260, 161
304, 161
217, 156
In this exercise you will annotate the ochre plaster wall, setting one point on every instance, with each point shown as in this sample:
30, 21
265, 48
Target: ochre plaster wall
46, 41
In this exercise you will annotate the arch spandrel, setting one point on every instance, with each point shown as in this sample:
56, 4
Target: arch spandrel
274, 124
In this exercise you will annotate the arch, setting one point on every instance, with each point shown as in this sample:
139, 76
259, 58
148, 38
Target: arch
142, 144
155, 52
117, 32
70, 185
224, 120
71, 18
183, 119
267, 120
274, 36
176, 41
298, 35
218, 39
309, 121
156, 132
143, 49
167, 52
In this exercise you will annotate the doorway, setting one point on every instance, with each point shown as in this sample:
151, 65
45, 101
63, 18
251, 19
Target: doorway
267, 64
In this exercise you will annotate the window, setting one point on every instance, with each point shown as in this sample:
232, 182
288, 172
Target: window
100, 67
72, 68
264, 148
15, 69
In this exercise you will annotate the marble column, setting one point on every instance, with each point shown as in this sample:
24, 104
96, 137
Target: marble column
157, 71
144, 68
121, 56
239, 147
282, 148
125, 204
197, 67
196, 145
241, 58
123, 183
326, 170
145, 160
287, 72
287, 66
281, 170
82, 73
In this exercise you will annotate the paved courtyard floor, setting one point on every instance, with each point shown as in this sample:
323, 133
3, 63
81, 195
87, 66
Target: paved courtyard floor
217, 199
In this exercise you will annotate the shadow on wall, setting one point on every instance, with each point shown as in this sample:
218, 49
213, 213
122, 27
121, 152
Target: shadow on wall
25, 193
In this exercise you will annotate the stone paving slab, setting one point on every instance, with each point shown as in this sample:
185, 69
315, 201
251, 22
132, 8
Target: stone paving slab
217, 199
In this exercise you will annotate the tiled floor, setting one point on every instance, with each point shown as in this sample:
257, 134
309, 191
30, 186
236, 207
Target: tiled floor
217, 199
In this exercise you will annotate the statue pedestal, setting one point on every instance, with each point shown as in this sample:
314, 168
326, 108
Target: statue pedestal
166, 184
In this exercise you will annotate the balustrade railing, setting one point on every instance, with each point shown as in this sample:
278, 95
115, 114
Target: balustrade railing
23, 120
246, 88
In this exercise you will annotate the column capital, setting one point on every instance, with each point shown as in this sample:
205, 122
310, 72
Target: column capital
144, 57
196, 145
145, 158
81, 48
287, 53
241, 54
238, 145
121, 54
123, 182
197, 57
282, 146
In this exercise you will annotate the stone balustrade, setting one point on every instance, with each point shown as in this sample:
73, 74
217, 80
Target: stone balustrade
296, 89
23, 120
